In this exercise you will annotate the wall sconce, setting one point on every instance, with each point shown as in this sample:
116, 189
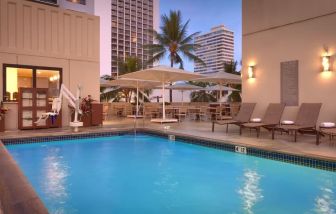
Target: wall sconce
326, 63
251, 71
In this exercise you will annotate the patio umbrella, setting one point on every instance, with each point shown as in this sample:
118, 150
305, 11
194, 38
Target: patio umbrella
221, 78
219, 88
130, 83
163, 74
184, 87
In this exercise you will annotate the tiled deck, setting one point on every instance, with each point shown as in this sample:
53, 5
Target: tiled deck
284, 143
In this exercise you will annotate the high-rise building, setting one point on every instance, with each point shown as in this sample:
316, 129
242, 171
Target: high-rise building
132, 21
216, 48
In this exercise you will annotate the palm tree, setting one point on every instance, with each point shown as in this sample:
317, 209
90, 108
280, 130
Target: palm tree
231, 67
128, 65
106, 93
173, 41
202, 96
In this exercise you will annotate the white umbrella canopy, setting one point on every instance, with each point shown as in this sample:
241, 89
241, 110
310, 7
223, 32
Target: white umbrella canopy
184, 87
221, 78
218, 88
131, 83
164, 74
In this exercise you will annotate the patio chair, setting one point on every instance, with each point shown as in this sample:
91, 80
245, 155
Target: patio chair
271, 119
182, 113
203, 113
305, 120
243, 116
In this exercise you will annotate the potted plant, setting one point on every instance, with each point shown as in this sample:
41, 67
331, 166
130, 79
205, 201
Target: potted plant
3, 111
86, 107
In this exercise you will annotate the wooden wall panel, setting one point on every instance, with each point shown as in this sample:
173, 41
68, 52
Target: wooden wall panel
27, 28
40, 30
12, 24
54, 32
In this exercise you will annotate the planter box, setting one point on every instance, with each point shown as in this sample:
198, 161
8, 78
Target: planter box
94, 118
97, 111
87, 120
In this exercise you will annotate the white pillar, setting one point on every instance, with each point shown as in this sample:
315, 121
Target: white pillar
163, 101
137, 104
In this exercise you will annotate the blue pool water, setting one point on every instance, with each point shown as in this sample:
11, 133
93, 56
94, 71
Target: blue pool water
146, 174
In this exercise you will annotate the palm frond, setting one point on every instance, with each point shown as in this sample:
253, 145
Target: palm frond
193, 58
183, 32
189, 39
157, 57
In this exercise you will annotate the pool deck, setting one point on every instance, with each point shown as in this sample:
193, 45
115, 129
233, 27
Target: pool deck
283, 143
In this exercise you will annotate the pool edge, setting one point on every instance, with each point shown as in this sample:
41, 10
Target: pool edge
17, 195
13, 179
319, 162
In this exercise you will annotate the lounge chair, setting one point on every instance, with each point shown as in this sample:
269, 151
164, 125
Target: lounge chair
328, 129
305, 120
271, 119
243, 116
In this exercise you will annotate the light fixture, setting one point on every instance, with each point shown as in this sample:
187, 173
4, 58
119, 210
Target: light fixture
54, 78
251, 71
326, 63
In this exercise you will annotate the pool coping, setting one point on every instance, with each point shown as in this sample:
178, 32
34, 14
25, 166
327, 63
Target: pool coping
17, 195
314, 161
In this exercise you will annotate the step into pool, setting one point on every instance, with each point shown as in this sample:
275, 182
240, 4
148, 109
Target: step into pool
149, 174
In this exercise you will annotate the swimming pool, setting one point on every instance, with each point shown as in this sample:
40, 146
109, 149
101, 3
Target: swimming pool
149, 174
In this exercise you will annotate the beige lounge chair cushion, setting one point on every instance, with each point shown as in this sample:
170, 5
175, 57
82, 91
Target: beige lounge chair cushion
224, 122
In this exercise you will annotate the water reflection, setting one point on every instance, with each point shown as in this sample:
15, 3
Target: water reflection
250, 192
56, 173
325, 202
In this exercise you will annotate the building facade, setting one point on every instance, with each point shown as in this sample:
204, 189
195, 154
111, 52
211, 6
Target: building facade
288, 52
132, 22
43, 46
216, 48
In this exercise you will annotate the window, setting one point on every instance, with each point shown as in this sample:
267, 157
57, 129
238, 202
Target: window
53, 2
21, 76
83, 2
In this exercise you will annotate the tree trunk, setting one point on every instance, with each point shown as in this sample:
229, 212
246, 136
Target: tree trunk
170, 90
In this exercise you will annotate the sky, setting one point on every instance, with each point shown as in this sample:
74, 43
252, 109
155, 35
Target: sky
205, 14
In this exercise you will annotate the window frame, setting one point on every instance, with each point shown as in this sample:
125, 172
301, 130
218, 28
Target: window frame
80, 3
34, 70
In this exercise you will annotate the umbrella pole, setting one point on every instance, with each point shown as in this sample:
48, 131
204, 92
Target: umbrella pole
182, 96
137, 104
163, 102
